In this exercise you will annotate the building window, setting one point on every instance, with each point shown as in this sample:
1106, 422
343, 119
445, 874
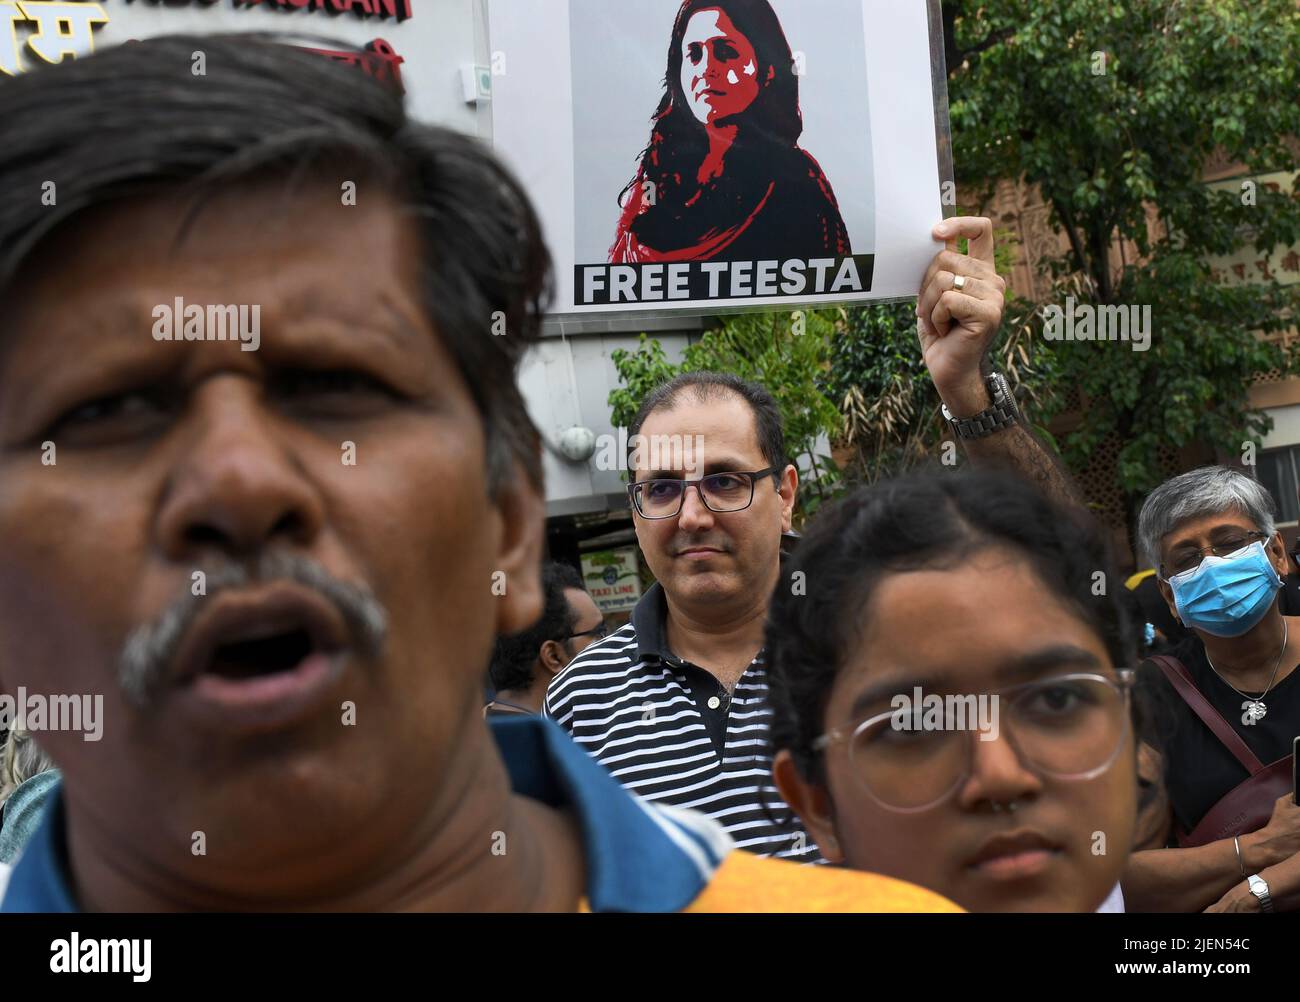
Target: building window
1277, 470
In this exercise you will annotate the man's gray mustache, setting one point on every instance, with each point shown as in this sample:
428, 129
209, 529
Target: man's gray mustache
151, 648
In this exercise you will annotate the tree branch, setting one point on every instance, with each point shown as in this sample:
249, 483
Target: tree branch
1076, 242
1101, 259
955, 55
993, 39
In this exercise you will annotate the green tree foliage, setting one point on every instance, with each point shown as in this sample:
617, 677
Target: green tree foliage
879, 380
891, 410
788, 353
1112, 110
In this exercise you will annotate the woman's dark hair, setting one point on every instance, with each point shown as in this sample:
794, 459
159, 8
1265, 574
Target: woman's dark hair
678, 142
135, 121
921, 522
515, 654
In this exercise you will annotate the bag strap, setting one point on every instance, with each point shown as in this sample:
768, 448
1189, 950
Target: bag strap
1182, 682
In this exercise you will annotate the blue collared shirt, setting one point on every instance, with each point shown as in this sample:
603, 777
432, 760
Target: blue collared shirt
641, 857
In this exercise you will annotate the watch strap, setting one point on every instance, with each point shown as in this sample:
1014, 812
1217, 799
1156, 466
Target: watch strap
1002, 414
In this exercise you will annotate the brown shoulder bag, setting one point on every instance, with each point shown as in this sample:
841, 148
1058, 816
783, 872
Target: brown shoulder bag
1248, 806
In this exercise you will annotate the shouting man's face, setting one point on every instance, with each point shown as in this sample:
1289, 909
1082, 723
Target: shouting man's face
276, 565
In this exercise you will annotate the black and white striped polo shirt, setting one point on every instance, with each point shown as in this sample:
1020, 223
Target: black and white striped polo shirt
668, 730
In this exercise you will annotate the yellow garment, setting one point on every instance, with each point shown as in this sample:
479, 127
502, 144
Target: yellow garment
748, 883
1136, 579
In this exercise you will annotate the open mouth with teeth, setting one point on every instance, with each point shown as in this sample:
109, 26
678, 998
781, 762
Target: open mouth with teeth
262, 656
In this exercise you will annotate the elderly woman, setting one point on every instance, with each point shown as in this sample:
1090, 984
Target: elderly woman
1228, 698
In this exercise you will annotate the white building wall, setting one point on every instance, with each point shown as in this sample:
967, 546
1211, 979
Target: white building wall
1286, 427
566, 382
435, 42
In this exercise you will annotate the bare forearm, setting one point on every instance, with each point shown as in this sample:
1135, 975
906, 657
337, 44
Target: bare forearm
1189, 880
1019, 450
1283, 881
1015, 448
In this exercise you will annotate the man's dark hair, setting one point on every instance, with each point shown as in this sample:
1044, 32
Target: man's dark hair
919, 522
703, 386
135, 121
515, 655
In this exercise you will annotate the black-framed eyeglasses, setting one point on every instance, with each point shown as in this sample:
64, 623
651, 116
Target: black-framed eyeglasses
1189, 558
720, 492
600, 631
1067, 727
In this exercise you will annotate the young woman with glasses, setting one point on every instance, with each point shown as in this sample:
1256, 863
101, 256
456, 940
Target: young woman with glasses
951, 695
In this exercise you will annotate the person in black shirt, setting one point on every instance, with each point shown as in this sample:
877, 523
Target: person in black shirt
523, 664
1148, 608
1288, 599
1211, 535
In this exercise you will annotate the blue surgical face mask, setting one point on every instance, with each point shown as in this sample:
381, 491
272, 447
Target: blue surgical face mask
1227, 596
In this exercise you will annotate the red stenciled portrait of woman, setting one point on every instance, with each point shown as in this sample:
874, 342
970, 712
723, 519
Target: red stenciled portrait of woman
723, 176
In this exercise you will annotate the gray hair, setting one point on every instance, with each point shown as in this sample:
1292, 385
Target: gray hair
1209, 490
22, 759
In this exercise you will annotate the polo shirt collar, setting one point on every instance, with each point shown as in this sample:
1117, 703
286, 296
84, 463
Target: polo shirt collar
640, 857
650, 620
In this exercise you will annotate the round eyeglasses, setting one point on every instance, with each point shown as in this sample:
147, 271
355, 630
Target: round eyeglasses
1068, 727
720, 492
1188, 558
